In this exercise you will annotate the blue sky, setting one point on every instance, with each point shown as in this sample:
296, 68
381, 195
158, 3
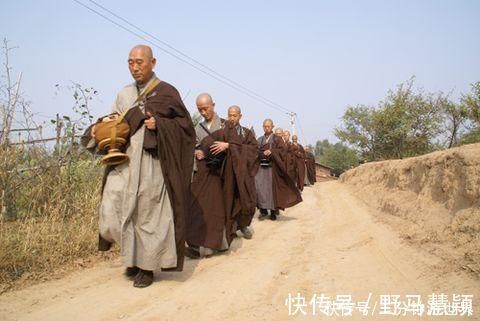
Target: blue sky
313, 57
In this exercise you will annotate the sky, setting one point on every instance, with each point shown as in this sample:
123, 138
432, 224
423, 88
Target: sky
314, 58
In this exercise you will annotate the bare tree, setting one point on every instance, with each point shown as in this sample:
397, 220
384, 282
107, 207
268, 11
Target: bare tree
9, 96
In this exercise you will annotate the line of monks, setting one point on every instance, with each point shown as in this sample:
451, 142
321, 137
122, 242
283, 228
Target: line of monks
188, 190
235, 173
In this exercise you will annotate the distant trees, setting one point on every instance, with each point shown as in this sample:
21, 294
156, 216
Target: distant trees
337, 156
471, 104
411, 122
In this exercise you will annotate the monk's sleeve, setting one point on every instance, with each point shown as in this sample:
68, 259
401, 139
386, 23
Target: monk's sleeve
279, 154
175, 146
87, 139
250, 150
260, 150
208, 141
176, 137
302, 151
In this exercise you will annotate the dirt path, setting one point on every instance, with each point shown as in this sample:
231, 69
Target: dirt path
329, 244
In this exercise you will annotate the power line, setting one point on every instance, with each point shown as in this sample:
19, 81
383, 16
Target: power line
183, 57
206, 70
190, 58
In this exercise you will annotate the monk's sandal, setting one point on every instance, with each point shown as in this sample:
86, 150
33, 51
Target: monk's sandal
143, 279
246, 233
131, 272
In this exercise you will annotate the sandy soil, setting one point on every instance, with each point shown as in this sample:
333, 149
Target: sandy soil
431, 200
330, 244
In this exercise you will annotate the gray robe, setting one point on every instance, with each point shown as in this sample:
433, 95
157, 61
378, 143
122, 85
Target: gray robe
135, 210
307, 181
200, 133
263, 181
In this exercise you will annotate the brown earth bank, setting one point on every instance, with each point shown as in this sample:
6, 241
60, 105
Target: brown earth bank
332, 244
432, 200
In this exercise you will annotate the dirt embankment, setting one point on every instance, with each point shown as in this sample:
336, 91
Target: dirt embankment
433, 200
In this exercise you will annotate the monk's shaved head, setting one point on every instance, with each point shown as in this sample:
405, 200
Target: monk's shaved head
235, 108
204, 98
206, 106
144, 49
268, 121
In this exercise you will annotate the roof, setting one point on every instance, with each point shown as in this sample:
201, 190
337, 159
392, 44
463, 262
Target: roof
324, 166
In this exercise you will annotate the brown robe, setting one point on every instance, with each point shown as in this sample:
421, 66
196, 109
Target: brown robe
175, 137
300, 160
291, 162
310, 162
238, 173
285, 192
207, 215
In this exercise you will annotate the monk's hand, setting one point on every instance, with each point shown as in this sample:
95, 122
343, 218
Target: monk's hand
199, 154
218, 147
109, 118
150, 122
267, 152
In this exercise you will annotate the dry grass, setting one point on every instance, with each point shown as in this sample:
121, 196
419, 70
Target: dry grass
55, 225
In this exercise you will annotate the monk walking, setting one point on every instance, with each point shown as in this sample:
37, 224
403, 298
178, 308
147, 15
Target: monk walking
144, 200
275, 189
206, 220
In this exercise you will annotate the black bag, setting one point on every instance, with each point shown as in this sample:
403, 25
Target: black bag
265, 162
215, 161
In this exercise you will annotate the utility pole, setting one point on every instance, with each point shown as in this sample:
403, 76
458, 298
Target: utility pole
58, 131
292, 122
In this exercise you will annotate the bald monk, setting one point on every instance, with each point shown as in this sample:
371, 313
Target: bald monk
299, 153
275, 189
207, 216
238, 148
263, 179
310, 177
291, 159
143, 200
281, 143
279, 132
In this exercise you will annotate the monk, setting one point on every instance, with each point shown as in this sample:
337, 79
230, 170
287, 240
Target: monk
207, 217
279, 133
237, 146
144, 200
275, 189
300, 157
291, 158
310, 177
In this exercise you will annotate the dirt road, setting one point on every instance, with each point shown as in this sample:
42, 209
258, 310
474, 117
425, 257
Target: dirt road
330, 244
